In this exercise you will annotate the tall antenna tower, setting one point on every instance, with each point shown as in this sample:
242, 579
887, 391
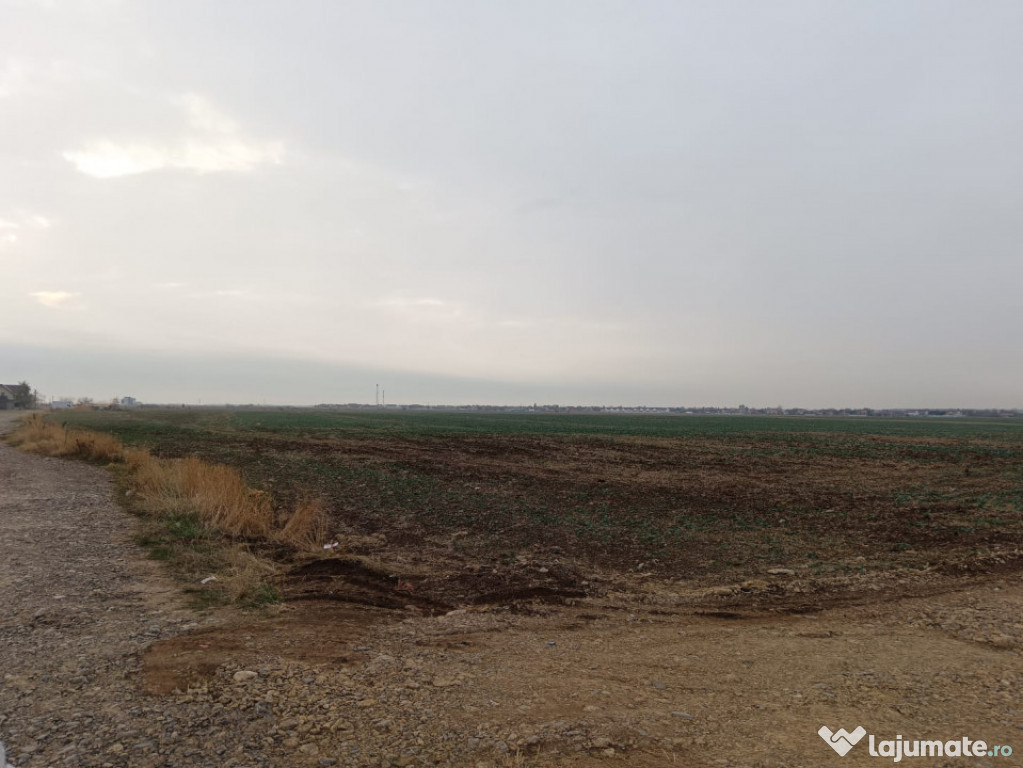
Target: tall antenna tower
377, 401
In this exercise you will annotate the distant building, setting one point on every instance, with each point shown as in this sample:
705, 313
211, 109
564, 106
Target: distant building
6, 397
60, 404
129, 401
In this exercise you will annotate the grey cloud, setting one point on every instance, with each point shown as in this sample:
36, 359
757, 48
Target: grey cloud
671, 201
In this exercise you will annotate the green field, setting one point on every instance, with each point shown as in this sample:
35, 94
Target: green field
686, 496
139, 423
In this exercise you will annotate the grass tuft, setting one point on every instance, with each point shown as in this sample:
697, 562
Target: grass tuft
306, 528
220, 495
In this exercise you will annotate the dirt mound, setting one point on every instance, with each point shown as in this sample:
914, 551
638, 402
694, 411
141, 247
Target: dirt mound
360, 581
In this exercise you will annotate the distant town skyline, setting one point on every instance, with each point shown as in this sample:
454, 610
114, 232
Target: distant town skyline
645, 202
152, 378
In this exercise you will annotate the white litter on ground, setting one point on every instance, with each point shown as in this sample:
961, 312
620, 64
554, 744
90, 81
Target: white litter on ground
3, 757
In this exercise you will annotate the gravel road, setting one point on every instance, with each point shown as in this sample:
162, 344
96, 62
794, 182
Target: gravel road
79, 603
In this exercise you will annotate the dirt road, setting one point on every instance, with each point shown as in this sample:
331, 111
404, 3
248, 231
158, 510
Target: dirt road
101, 666
78, 605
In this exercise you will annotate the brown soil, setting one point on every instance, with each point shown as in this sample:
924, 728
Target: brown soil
629, 679
704, 509
323, 637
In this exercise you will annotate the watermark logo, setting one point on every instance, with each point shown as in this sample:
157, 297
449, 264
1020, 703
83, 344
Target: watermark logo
841, 740
898, 748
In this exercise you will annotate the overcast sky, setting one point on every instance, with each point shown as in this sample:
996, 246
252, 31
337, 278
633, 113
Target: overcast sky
676, 203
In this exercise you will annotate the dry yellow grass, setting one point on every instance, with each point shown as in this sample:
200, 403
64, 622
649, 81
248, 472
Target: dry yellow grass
37, 435
306, 528
223, 500
246, 574
217, 493
95, 446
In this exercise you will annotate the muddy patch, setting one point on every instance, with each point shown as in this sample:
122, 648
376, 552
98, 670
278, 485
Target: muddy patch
322, 635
